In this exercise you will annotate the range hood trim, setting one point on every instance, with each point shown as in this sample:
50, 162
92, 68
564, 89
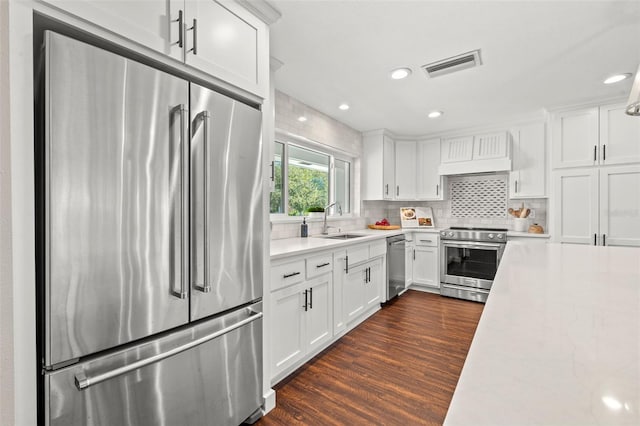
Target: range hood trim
475, 166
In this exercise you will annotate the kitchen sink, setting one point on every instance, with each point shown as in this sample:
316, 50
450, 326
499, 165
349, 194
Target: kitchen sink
343, 236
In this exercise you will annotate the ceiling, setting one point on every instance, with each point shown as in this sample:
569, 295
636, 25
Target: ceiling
535, 55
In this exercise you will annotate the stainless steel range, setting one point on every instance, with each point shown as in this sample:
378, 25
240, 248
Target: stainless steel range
469, 259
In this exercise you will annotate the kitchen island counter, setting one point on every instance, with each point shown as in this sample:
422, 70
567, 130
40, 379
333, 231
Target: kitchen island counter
558, 342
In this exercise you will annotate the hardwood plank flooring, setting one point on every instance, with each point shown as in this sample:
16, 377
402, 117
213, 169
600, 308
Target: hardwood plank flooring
399, 367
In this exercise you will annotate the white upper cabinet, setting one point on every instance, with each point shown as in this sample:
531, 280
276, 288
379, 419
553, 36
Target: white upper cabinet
595, 136
430, 183
575, 138
405, 167
378, 156
576, 212
528, 175
619, 136
225, 40
620, 206
219, 38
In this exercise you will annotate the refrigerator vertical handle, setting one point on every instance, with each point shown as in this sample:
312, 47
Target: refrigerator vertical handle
182, 293
205, 117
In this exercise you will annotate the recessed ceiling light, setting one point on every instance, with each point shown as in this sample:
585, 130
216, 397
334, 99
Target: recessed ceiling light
435, 114
616, 78
302, 119
344, 107
400, 73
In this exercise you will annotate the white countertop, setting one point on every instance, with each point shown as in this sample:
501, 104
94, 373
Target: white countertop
558, 342
526, 234
294, 246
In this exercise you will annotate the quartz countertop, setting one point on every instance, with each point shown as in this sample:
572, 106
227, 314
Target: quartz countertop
526, 234
558, 342
294, 246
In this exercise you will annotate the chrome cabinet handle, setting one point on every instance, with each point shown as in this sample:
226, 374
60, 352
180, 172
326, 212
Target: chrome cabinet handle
180, 22
323, 265
83, 379
293, 274
184, 213
194, 49
205, 117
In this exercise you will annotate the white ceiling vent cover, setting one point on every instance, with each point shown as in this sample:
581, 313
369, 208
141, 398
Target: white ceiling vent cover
455, 63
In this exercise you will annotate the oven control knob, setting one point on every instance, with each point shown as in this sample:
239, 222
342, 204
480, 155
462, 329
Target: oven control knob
500, 236
451, 234
490, 236
444, 234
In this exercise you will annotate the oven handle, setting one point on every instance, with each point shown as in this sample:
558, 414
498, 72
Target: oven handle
478, 245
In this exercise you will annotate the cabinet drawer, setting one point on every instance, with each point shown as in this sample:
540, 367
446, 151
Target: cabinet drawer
378, 249
430, 240
287, 274
358, 254
318, 265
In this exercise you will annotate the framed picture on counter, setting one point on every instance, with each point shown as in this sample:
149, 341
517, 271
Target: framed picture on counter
416, 217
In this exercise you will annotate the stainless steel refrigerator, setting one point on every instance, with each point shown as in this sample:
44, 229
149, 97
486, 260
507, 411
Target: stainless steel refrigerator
152, 245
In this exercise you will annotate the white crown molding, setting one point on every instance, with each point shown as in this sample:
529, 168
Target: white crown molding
262, 9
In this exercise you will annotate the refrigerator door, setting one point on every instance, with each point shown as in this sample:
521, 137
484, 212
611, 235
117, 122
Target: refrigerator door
115, 176
226, 203
208, 374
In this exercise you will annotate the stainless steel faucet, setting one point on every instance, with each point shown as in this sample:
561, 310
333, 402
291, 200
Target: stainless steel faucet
325, 228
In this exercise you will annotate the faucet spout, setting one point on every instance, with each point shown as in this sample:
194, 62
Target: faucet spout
325, 228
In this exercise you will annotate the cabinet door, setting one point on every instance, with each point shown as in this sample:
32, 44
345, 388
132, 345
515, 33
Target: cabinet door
620, 206
405, 170
373, 287
388, 168
576, 206
318, 315
429, 185
151, 23
425, 267
352, 293
575, 138
287, 328
226, 42
456, 149
339, 320
619, 136
528, 178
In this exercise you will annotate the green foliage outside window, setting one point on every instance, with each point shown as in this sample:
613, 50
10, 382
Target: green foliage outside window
307, 188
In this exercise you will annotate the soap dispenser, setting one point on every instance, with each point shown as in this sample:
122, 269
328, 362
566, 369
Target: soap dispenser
304, 228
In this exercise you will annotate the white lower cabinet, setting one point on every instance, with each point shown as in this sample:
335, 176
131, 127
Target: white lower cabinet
426, 255
302, 322
342, 288
408, 261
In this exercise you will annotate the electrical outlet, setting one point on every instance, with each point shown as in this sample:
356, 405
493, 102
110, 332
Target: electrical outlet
532, 214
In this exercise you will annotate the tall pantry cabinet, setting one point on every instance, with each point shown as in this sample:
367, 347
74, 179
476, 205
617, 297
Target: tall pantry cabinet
596, 176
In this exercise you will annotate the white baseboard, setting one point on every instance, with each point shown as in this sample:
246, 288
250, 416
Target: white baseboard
434, 290
269, 401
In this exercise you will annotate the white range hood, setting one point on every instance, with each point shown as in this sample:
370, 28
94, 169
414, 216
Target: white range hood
475, 154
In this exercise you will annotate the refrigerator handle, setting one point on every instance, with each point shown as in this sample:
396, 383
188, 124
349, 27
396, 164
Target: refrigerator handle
84, 379
205, 116
184, 213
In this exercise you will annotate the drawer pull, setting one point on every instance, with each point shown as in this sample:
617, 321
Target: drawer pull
293, 274
322, 265
426, 241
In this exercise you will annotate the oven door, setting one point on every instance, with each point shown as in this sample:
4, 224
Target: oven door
470, 264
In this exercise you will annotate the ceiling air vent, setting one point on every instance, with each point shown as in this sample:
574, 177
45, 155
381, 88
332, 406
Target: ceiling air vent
453, 64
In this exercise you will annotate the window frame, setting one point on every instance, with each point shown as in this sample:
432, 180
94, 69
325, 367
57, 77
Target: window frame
287, 139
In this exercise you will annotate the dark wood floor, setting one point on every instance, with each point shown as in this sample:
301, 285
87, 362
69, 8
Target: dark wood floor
399, 367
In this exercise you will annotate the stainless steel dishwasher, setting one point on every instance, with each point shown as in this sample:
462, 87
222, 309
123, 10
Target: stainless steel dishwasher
395, 265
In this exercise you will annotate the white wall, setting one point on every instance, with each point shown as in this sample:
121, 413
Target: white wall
328, 131
6, 282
